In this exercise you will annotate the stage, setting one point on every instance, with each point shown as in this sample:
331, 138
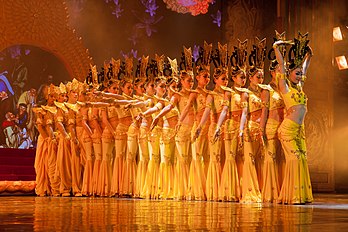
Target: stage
329, 212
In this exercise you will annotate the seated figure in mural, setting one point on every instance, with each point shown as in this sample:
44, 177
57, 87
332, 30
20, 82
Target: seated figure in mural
19, 77
16, 137
28, 98
42, 93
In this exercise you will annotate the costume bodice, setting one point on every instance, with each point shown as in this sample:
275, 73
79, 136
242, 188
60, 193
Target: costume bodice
236, 98
255, 102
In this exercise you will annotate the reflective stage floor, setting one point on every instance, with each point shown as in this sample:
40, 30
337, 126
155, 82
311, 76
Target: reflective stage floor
329, 212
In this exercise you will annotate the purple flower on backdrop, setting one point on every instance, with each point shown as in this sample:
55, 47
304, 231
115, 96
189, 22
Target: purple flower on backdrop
186, 3
150, 6
132, 52
117, 8
195, 52
217, 18
148, 23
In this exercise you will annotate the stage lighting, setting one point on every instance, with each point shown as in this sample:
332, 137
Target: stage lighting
341, 62
337, 34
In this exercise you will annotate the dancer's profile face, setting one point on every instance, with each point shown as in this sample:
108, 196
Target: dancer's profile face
187, 82
139, 88
161, 88
239, 79
113, 88
257, 78
221, 80
62, 97
296, 75
203, 78
127, 88
150, 88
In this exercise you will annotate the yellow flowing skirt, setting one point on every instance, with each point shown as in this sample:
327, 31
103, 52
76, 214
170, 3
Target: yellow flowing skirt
252, 152
214, 168
197, 178
229, 189
296, 188
41, 168
183, 143
143, 160
87, 187
270, 188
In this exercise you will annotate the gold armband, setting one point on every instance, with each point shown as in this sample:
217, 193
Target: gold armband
49, 121
244, 104
225, 102
265, 104
209, 105
303, 78
60, 119
281, 76
71, 121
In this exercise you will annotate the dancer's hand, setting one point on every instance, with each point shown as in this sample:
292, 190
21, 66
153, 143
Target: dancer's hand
197, 133
240, 138
177, 127
154, 123
217, 134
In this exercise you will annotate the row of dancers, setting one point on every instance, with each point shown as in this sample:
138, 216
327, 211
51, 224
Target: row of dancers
151, 135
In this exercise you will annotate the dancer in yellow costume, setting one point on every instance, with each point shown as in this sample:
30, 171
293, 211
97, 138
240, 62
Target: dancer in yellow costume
183, 135
125, 120
200, 147
110, 122
166, 172
273, 115
73, 109
152, 178
85, 140
130, 168
63, 167
41, 158
214, 105
250, 125
49, 118
229, 189
296, 188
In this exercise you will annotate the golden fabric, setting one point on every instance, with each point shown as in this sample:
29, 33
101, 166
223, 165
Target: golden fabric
270, 188
214, 168
121, 147
183, 143
150, 189
41, 168
63, 168
143, 160
252, 152
294, 97
197, 178
97, 149
255, 102
236, 104
129, 170
87, 188
296, 188
229, 188
166, 169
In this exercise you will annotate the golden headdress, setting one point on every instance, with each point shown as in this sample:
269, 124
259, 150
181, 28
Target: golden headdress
52, 90
128, 69
61, 88
72, 85
203, 62
257, 56
298, 51
220, 60
186, 64
116, 65
94, 75
174, 71
141, 74
160, 67
281, 47
239, 57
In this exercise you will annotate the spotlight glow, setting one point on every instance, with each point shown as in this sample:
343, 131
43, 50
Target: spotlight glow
341, 62
337, 34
